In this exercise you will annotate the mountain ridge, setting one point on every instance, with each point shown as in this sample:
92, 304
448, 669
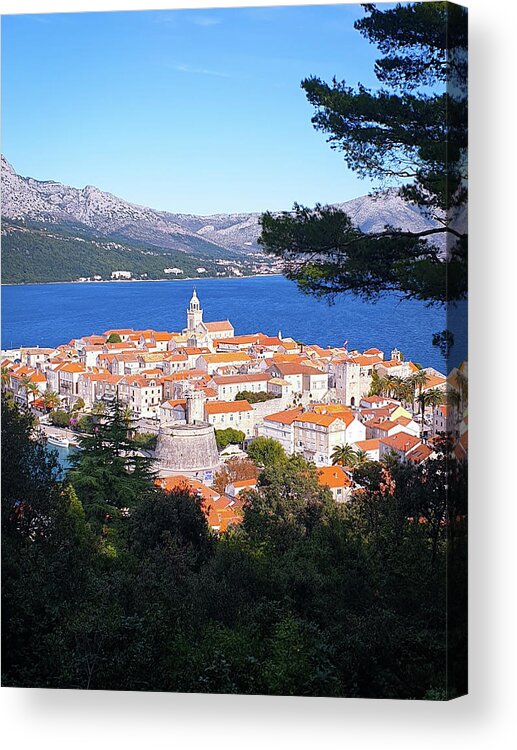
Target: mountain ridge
24, 198
45, 220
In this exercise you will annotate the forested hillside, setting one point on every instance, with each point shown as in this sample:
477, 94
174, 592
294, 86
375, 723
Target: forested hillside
39, 255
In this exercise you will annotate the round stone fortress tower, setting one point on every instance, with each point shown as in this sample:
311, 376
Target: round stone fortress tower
188, 448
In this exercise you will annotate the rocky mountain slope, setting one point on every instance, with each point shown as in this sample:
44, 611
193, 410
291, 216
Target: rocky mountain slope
52, 203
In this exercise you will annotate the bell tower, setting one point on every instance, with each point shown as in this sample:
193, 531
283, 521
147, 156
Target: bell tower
195, 406
194, 313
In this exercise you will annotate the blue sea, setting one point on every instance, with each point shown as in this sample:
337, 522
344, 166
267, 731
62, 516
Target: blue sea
52, 314
62, 454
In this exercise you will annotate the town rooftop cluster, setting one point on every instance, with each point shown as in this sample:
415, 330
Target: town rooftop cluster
315, 399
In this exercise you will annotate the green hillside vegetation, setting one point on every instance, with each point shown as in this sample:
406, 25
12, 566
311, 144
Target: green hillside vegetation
192, 245
39, 255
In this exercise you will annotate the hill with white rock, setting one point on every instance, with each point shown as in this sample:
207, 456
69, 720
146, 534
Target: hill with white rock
48, 209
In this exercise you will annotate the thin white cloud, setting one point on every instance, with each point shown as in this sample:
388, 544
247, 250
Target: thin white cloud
174, 17
200, 20
183, 68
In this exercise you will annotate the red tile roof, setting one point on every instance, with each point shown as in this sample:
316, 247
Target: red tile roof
323, 420
72, 367
385, 425
227, 407
175, 402
221, 511
293, 368
402, 441
420, 453
368, 445
218, 325
284, 417
373, 399
225, 357
333, 477
186, 375
270, 340
252, 377
244, 483
237, 340
366, 361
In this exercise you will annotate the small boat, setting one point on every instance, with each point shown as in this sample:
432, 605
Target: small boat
60, 440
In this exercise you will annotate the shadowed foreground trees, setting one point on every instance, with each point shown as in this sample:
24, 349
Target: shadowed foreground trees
306, 597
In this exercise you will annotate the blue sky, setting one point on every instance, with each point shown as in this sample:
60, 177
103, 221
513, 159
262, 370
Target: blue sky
187, 111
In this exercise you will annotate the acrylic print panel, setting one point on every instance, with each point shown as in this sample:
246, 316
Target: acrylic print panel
234, 365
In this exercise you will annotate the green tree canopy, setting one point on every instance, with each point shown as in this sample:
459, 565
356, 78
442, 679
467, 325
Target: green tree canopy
254, 397
306, 597
288, 504
266, 452
59, 418
108, 472
47, 549
229, 436
411, 134
344, 455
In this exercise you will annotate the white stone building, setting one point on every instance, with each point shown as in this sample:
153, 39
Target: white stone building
353, 379
236, 414
228, 386
279, 426
317, 435
203, 333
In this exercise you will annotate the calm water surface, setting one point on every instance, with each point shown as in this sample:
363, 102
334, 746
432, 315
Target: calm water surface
52, 314
62, 454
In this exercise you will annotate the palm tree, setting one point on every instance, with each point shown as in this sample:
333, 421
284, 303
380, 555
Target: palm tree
32, 388
378, 385
344, 455
28, 386
390, 460
453, 399
361, 457
51, 400
420, 377
6, 376
431, 397
78, 405
391, 382
407, 394
99, 408
127, 416
399, 387
418, 381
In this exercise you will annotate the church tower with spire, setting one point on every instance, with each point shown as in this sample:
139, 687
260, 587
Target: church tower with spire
194, 313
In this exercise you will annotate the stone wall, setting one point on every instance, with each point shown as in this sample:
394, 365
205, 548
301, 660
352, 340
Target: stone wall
187, 448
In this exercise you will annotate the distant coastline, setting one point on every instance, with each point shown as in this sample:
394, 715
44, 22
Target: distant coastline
148, 281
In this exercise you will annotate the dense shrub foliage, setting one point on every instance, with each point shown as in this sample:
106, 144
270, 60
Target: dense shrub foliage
254, 398
229, 436
59, 418
110, 583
